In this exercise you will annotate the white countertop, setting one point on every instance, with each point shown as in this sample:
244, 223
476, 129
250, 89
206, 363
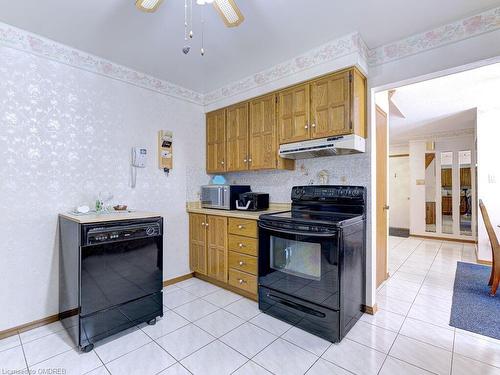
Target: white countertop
108, 216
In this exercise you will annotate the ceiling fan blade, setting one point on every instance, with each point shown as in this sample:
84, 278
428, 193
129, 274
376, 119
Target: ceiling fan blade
393, 108
229, 12
148, 6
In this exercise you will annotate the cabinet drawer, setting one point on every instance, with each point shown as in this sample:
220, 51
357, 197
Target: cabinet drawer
242, 262
243, 281
243, 245
243, 227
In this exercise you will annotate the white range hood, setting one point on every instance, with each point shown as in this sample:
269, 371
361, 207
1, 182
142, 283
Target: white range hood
341, 145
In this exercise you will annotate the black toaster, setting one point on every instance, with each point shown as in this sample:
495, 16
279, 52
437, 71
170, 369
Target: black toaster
253, 201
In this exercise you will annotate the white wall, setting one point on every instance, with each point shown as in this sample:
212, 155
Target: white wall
65, 135
488, 169
399, 192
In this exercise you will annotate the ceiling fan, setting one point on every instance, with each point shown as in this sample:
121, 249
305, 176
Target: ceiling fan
227, 9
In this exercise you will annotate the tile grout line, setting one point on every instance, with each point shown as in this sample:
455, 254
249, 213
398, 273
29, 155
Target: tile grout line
406, 315
24, 354
453, 351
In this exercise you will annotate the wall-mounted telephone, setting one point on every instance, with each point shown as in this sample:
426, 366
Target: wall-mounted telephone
165, 155
139, 156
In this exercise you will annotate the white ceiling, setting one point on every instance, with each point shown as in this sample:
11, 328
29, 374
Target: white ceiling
444, 104
273, 31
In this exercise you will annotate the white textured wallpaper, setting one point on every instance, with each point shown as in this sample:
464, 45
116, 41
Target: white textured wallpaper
66, 135
342, 170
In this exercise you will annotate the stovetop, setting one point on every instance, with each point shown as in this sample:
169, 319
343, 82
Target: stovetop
322, 205
313, 216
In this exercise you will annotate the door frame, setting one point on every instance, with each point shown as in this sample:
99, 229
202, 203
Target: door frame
382, 195
372, 143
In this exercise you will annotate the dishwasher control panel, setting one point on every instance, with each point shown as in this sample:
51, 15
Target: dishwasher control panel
105, 234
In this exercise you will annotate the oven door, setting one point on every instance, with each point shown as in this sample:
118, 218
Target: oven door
304, 265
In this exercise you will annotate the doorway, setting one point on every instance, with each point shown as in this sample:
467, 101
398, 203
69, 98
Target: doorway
432, 176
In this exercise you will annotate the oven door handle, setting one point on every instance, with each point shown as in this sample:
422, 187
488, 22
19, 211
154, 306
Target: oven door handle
296, 306
297, 233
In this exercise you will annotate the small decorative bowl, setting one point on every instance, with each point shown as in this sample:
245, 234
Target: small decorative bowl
120, 207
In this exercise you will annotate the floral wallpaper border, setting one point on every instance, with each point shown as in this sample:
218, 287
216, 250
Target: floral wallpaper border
453, 32
352, 43
22, 40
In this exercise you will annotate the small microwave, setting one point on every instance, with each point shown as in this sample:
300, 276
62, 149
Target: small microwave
222, 197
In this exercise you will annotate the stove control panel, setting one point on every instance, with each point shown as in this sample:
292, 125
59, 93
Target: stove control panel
327, 192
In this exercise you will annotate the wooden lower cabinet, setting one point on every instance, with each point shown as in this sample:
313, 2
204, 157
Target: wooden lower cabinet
217, 247
243, 280
242, 262
198, 243
225, 250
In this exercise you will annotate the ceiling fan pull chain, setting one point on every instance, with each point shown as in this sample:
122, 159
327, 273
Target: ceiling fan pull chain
202, 31
191, 19
185, 20
187, 47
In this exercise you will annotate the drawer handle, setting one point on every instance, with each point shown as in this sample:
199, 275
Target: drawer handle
241, 226
241, 263
240, 245
241, 281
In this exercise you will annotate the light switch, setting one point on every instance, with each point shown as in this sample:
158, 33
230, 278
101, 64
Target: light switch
492, 179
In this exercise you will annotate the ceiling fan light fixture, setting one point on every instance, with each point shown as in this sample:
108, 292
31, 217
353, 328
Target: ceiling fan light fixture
149, 6
229, 11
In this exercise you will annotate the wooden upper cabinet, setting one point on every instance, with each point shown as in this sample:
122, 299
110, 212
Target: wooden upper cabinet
237, 138
293, 117
330, 105
216, 141
263, 143
246, 136
198, 243
358, 103
217, 247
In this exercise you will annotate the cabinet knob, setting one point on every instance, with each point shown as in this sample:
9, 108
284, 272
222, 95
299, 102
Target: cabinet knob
202, 224
250, 160
241, 263
306, 126
244, 160
206, 224
241, 281
241, 226
240, 244
222, 162
313, 125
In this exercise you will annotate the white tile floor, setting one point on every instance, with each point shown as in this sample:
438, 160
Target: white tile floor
207, 330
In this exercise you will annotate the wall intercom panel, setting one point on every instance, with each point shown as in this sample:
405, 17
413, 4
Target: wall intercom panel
139, 156
165, 150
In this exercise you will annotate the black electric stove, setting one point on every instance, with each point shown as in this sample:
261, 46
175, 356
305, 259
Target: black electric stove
312, 260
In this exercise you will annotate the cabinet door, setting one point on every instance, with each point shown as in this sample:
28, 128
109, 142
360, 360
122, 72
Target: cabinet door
330, 109
293, 119
263, 141
217, 247
237, 137
216, 141
198, 243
